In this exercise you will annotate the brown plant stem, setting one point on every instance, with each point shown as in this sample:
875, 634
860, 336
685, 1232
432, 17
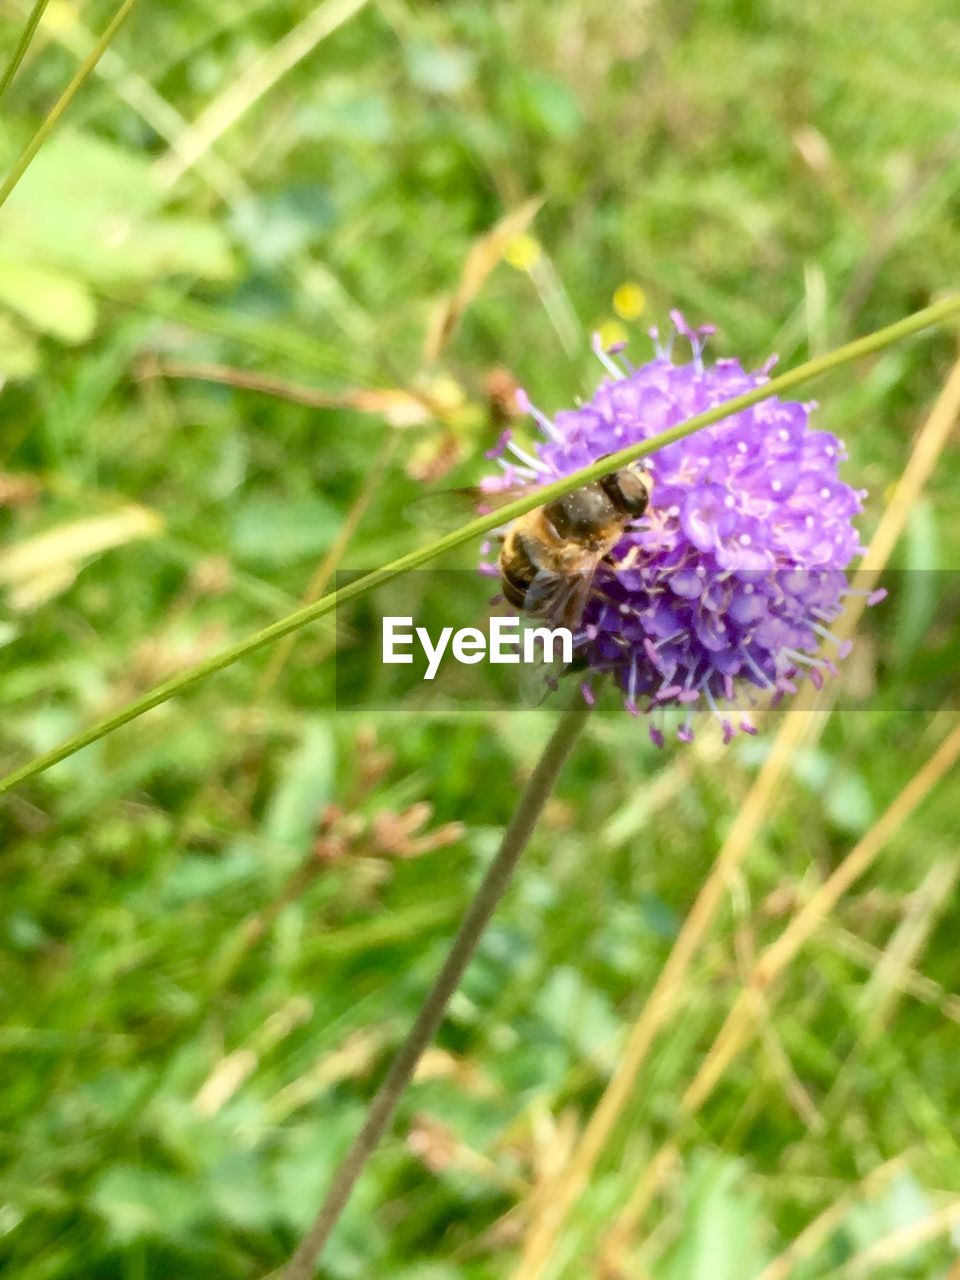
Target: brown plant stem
484, 903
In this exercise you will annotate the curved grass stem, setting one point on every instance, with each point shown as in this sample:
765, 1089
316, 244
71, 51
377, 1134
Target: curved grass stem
474, 529
484, 903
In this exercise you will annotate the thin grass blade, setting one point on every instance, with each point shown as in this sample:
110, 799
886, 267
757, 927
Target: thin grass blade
13, 66
474, 529
22, 163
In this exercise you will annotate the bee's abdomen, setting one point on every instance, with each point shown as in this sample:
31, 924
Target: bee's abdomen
520, 558
514, 591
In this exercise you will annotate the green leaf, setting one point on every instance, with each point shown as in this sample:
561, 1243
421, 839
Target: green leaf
719, 1237
903, 1205
918, 598
18, 352
143, 1202
580, 1014
305, 787
51, 302
847, 801
197, 877
348, 116
240, 1191
548, 105
92, 206
436, 69
304, 1162
277, 531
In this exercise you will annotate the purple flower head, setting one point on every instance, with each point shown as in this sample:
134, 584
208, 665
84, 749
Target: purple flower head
728, 584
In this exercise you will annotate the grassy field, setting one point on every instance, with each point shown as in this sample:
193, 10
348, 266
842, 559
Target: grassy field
219, 921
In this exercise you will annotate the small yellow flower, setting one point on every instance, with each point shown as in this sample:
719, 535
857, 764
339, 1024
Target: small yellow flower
58, 18
446, 393
522, 252
629, 300
611, 332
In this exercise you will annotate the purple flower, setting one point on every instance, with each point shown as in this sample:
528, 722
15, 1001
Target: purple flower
729, 583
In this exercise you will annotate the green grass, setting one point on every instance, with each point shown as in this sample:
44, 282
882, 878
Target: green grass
787, 172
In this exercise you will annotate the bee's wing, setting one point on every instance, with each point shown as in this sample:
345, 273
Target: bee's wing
558, 600
578, 597
539, 679
543, 597
446, 508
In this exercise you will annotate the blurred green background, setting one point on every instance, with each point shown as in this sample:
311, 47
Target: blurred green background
218, 922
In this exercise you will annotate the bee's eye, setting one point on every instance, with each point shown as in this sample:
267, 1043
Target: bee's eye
630, 489
636, 501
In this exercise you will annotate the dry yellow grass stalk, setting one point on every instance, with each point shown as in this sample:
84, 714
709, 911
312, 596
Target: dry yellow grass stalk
811, 710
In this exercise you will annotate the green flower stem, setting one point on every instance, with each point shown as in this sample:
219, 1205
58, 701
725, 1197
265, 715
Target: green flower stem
23, 44
474, 529
482, 906
22, 163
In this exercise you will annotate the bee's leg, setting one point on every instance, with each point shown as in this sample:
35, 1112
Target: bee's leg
627, 562
620, 605
597, 592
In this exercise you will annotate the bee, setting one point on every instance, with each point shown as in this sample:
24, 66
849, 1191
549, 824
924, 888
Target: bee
549, 557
